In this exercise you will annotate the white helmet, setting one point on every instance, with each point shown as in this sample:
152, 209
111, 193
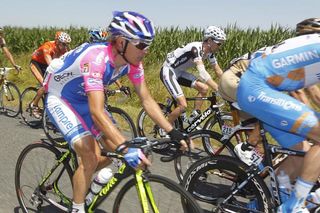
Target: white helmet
215, 33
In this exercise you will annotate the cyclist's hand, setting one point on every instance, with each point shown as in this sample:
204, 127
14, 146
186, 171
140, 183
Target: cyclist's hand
135, 157
181, 138
125, 90
18, 68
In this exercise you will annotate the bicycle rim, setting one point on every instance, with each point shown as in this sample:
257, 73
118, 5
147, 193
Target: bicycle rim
32, 168
26, 113
123, 122
201, 140
212, 180
10, 100
168, 196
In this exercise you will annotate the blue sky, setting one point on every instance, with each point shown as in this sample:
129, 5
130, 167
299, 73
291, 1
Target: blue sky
164, 13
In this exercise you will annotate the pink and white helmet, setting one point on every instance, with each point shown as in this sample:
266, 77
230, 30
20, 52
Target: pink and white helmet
215, 33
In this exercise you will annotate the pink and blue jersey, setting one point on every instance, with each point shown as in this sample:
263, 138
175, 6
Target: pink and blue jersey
89, 67
291, 65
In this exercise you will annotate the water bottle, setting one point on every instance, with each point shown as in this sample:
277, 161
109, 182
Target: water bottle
103, 176
284, 186
313, 199
184, 117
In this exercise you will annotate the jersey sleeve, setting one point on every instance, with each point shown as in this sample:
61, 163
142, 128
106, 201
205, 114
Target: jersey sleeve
196, 54
92, 67
136, 74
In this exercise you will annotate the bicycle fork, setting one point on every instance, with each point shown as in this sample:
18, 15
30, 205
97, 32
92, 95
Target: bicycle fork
145, 193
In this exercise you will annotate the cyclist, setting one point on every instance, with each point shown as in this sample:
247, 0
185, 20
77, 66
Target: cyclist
290, 65
75, 100
40, 60
6, 51
174, 70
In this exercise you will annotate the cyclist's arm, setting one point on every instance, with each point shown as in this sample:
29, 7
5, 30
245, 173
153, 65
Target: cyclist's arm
102, 121
314, 93
47, 58
151, 107
301, 96
118, 83
217, 69
205, 76
9, 55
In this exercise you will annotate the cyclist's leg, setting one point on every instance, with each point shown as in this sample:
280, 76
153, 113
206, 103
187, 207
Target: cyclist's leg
202, 92
169, 79
38, 71
77, 128
289, 116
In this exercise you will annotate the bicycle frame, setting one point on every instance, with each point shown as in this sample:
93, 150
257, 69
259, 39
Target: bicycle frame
214, 108
124, 171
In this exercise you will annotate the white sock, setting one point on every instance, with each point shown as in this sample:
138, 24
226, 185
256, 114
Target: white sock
302, 188
79, 207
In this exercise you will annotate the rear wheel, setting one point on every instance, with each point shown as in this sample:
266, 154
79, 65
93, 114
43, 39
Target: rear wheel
212, 182
42, 182
10, 99
27, 115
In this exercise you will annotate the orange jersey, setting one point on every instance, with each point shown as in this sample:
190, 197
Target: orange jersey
48, 48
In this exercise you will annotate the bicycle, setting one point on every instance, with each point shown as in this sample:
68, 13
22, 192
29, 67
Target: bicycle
144, 192
147, 128
226, 184
9, 94
119, 117
27, 97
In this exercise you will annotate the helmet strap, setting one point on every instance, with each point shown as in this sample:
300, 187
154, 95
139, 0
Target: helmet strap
122, 53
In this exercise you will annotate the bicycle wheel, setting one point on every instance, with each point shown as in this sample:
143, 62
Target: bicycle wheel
26, 113
146, 126
123, 122
212, 180
43, 183
167, 195
201, 139
53, 133
10, 100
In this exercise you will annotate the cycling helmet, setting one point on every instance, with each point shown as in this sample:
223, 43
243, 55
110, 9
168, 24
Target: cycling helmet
132, 26
215, 33
308, 26
97, 35
63, 37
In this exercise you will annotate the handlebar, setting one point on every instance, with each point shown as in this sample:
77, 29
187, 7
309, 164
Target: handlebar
171, 148
126, 91
5, 70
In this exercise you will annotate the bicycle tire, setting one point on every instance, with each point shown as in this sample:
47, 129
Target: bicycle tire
53, 133
10, 102
206, 143
201, 180
123, 122
37, 154
188, 204
27, 97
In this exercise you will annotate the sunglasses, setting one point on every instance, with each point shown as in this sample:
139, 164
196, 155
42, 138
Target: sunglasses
140, 45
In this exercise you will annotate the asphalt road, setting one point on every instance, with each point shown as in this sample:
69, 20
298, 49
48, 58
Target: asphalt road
15, 135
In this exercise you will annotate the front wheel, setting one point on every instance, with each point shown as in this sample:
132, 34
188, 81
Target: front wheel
213, 182
163, 195
205, 143
10, 99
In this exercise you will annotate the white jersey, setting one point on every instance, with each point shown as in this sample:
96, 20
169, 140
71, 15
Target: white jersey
185, 57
